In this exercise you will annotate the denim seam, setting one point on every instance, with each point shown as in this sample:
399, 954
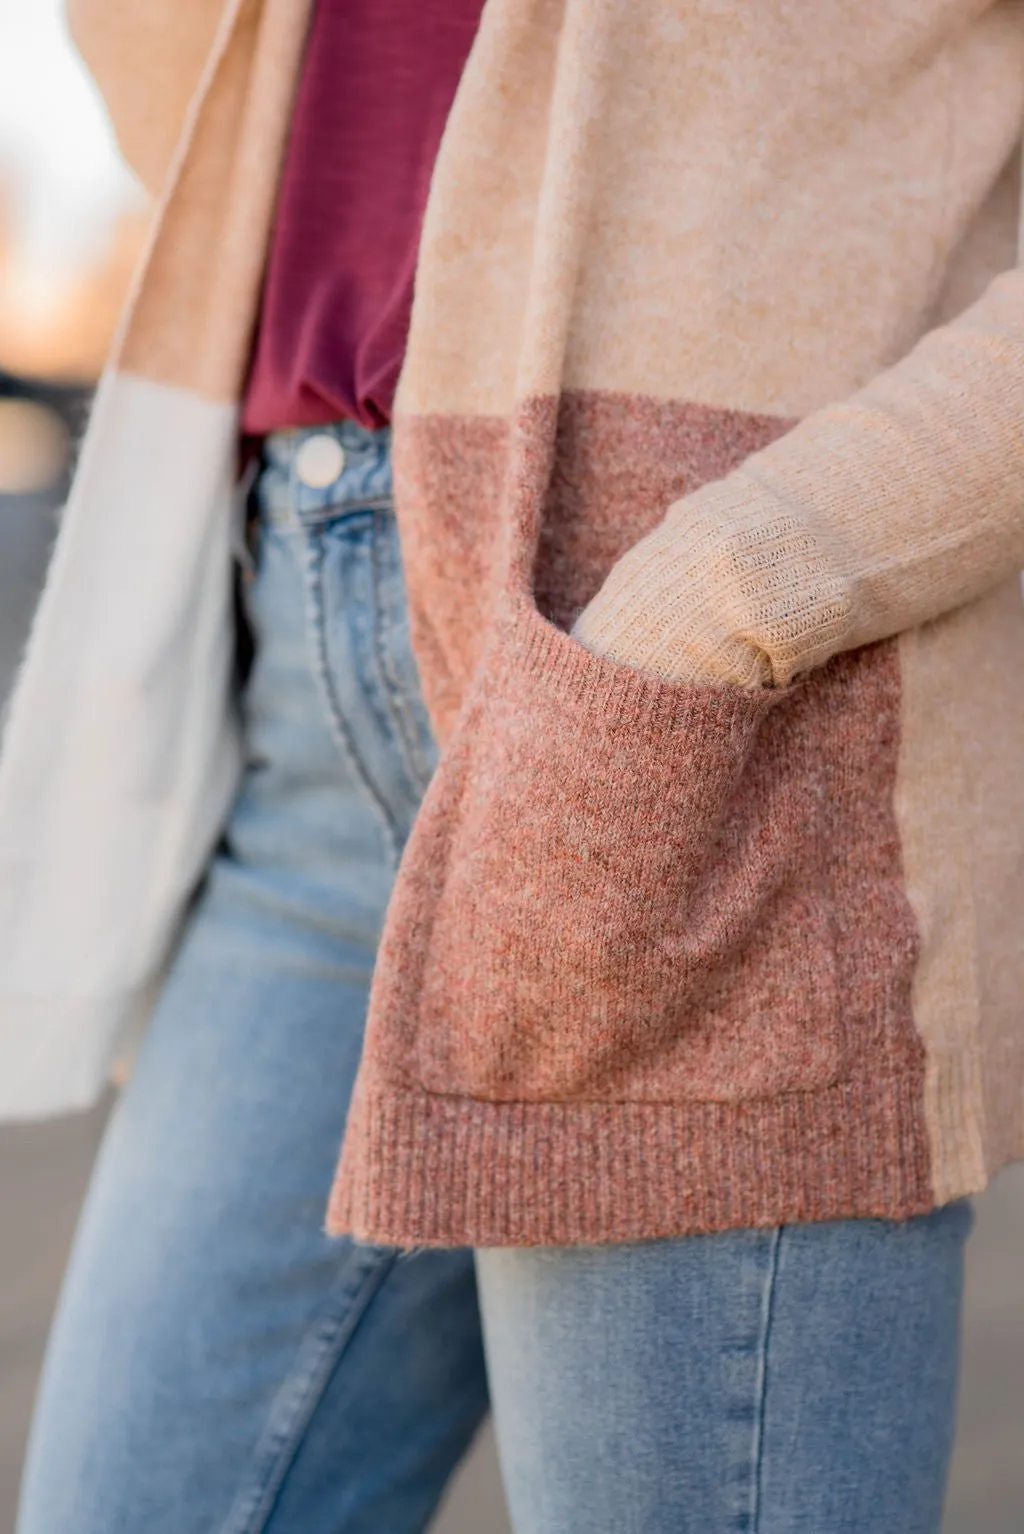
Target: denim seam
314, 519
399, 706
760, 1407
313, 562
296, 1403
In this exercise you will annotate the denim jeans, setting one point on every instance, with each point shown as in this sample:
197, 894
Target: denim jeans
219, 1366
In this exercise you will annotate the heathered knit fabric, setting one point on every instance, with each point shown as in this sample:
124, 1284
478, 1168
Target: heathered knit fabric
667, 918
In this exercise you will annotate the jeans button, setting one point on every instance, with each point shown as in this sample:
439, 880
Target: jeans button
319, 461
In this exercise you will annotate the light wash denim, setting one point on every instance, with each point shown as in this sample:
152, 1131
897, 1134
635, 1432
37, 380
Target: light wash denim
218, 1366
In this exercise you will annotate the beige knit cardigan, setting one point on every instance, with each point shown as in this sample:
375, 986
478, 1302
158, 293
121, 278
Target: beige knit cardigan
710, 474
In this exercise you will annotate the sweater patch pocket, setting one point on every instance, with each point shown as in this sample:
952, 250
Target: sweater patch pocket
618, 888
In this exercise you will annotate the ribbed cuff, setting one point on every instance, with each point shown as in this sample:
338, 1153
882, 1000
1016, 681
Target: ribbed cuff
954, 1094
731, 587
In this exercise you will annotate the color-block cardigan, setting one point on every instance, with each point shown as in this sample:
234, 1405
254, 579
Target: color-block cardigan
714, 912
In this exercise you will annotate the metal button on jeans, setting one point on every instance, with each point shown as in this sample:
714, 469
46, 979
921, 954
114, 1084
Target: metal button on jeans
319, 461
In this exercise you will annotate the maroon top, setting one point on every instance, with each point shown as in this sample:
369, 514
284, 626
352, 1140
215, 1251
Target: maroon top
377, 85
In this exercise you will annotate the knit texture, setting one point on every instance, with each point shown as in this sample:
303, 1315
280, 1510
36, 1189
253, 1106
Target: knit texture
726, 589
712, 918
843, 533
689, 408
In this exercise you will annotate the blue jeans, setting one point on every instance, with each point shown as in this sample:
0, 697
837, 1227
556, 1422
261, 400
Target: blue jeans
218, 1366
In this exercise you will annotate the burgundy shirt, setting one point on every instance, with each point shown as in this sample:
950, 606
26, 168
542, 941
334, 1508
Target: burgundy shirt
377, 85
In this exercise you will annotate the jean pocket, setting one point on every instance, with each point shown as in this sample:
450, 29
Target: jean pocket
617, 889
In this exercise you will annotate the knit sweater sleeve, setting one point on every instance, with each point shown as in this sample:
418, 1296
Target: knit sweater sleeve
873, 515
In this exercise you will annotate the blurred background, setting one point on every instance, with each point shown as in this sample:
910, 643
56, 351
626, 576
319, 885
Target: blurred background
72, 222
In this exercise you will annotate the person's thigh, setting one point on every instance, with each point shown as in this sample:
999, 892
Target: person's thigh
218, 1366
793, 1381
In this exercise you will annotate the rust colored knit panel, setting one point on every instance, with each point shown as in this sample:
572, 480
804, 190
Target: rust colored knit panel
628, 893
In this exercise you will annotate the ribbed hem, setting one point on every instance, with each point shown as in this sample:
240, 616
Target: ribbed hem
421, 1170
954, 1098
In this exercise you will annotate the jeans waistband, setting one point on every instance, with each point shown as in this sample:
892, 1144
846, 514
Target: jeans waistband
313, 472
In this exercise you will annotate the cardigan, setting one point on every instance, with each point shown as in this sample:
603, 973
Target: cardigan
710, 480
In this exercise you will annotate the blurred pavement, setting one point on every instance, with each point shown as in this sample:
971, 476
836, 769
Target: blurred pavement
43, 1170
